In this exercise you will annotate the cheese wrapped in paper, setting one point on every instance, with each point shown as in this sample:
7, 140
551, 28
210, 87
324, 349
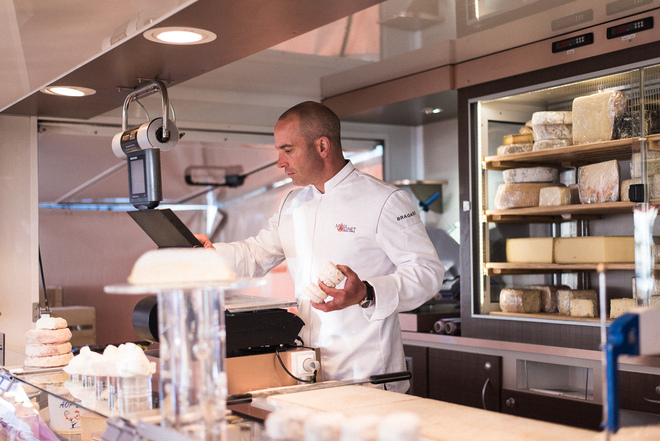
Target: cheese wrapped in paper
594, 116
599, 182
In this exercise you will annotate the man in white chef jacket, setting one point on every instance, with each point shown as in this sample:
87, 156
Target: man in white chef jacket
370, 229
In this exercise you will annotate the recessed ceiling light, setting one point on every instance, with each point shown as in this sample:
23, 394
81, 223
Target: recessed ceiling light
180, 36
431, 110
74, 91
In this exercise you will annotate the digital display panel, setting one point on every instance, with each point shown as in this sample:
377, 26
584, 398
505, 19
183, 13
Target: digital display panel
138, 183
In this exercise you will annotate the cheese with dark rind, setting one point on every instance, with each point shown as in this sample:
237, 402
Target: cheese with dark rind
520, 300
594, 116
599, 182
519, 195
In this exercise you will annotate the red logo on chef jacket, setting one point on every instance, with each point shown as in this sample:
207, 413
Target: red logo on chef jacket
343, 228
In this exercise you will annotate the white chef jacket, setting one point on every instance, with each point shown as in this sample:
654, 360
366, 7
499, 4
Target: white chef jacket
375, 229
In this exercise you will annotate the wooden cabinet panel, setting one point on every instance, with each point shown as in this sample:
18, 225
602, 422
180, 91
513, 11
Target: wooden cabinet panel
570, 412
465, 378
639, 392
417, 364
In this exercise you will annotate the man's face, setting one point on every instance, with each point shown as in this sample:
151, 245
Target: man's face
300, 162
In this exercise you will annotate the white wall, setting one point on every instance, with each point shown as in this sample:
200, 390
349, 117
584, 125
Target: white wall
19, 264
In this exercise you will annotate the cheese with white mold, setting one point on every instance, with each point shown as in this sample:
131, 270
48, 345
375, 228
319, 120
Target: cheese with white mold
594, 116
599, 182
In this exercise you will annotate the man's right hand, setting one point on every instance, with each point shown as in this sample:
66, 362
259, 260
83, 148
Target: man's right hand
205, 241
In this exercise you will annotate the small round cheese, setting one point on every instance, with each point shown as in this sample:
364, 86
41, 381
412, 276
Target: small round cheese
331, 276
51, 323
43, 350
49, 361
315, 293
38, 336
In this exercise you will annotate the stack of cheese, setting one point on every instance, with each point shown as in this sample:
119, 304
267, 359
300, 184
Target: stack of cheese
652, 170
330, 276
522, 186
552, 129
517, 142
49, 344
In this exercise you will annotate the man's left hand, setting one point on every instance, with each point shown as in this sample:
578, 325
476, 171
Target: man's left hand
354, 291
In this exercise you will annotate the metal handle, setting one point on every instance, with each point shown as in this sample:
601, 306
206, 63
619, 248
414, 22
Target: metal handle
155, 86
483, 393
510, 402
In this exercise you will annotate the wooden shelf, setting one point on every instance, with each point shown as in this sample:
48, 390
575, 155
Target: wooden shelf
570, 156
561, 213
506, 268
549, 316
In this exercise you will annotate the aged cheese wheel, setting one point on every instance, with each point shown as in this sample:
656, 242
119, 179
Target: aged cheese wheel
552, 125
618, 307
594, 116
549, 300
652, 164
530, 250
595, 249
554, 196
520, 300
518, 138
653, 187
547, 144
530, 174
514, 148
550, 117
583, 308
519, 195
599, 182
564, 297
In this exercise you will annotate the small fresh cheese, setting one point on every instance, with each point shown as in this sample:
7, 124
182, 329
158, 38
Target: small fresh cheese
554, 196
564, 297
547, 144
530, 174
599, 182
520, 300
583, 308
595, 249
594, 116
519, 195
549, 302
618, 307
514, 148
530, 250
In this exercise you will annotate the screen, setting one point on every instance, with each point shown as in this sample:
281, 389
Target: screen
138, 184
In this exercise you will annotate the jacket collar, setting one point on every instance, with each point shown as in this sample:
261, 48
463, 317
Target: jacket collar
339, 177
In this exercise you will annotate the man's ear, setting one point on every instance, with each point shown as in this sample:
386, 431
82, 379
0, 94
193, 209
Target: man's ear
323, 146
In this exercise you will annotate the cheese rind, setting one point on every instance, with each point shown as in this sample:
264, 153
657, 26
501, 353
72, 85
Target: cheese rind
552, 117
549, 302
517, 138
519, 195
594, 116
653, 187
554, 196
652, 164
595, 249
599, 182
530, 174
564, 297
583, 308
520, 300
546, 144
618, 307
514, 148
530, 250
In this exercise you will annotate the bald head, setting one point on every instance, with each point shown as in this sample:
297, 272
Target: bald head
316, 120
